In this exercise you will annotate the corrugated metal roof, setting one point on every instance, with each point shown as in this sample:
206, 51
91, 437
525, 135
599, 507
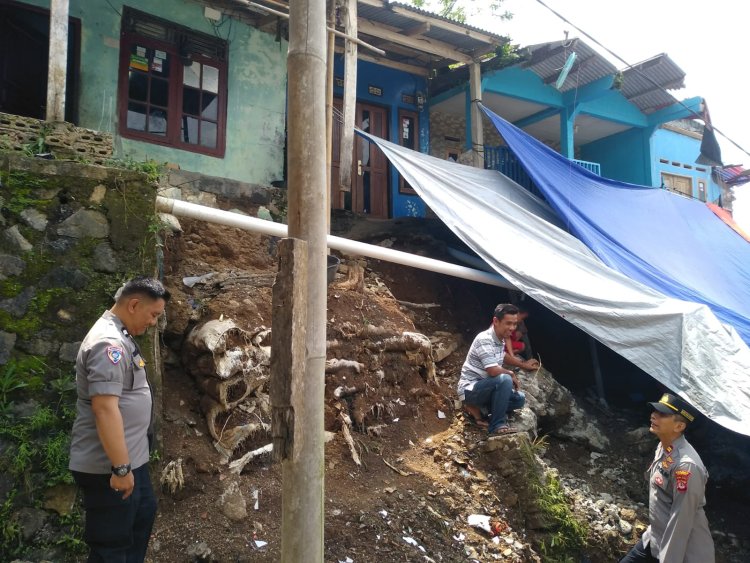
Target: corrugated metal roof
413, 8
461, 38
547, 60
644, 83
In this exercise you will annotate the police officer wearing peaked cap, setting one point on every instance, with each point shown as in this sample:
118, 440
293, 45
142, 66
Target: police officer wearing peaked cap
678, 530
109, 449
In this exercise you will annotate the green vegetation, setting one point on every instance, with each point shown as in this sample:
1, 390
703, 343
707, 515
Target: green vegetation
566, 535
459, 9
150, 168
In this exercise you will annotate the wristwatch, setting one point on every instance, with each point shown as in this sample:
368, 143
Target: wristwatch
121, 470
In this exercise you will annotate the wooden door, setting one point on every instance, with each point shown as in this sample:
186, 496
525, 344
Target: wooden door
369, 189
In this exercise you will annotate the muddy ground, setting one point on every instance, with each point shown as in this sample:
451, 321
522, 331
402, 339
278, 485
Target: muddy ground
420, 475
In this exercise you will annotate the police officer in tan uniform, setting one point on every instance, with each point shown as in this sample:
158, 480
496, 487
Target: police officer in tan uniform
109, 449
678, 530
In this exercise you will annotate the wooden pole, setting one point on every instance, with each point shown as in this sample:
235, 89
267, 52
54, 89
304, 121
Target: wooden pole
58, 60
597, 372
303, 470
350, 97
477, 130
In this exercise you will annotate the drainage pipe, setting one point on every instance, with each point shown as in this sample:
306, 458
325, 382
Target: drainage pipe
211, 215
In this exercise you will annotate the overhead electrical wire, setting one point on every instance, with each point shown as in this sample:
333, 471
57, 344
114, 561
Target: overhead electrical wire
644, 75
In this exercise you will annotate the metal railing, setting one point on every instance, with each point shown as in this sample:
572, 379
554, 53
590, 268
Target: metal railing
503, 160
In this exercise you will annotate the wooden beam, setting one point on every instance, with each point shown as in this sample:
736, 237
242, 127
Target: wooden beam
418, 70
418, 29
58, 60
420, 43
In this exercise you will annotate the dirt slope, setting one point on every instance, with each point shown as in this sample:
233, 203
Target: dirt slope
421, 474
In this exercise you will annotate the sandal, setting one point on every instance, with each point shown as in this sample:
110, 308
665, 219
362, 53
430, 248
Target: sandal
504, 430
471, 419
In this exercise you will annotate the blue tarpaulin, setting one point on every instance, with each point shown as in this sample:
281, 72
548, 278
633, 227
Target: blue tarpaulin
666, 241
680, 343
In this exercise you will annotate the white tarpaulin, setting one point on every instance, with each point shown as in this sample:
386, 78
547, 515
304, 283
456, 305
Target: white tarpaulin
679, 343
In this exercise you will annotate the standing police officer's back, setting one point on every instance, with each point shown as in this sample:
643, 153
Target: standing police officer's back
678, 529
109, 446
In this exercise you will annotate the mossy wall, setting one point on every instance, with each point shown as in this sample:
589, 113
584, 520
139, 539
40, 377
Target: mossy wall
70, 235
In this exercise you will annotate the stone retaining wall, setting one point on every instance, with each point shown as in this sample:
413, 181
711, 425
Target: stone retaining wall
63, 140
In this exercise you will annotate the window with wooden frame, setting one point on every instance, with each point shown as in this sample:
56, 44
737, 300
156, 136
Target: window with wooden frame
408, 136
172, 85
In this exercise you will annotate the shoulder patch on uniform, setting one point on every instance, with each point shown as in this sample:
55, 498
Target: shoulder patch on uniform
682, 476
114, 353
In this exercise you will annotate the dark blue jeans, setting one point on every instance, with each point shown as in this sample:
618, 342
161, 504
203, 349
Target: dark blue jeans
497, 395
638, 554
117, 531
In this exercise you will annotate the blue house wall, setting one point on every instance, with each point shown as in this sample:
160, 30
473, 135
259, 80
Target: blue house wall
625, 156
392, 84
681, 151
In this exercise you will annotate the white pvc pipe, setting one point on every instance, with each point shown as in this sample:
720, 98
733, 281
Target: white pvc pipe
211, 215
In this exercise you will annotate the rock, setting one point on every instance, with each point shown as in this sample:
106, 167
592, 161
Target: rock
232, 503
60, 246
24, 409
171, 193
199, 552
30, 520
104, 259
17, 240
628, 514
69, 351
34, 219
97, 195
7, 342
584, 429
10, 266
64, 277
84, 223
7, 483
60, 498
444, 344
170, 222
625, 527
18, 305
41, 344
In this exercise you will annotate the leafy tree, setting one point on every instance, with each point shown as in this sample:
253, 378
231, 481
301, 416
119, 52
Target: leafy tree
459, 9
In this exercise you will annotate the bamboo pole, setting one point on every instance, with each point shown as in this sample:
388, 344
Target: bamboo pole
303, 471
329, 107
477, 130
58, 60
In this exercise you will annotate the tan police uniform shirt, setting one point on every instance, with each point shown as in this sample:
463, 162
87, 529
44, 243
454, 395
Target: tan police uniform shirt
678, 530
109, 363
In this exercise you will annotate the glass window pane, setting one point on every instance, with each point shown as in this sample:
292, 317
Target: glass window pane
159, 92
137, 86
210, 103
136, 117
189, 130
191, 75
208, 134
191, 101
157, 121
211, 79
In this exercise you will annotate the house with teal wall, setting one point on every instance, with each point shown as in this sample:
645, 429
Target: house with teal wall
204, 88
619, 124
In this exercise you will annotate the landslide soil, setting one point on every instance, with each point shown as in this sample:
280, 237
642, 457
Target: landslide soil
409, 484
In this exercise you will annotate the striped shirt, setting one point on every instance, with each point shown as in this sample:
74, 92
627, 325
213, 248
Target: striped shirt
486, 351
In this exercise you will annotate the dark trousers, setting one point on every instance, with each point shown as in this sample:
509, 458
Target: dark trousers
497, 395
638, 554
117, 531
